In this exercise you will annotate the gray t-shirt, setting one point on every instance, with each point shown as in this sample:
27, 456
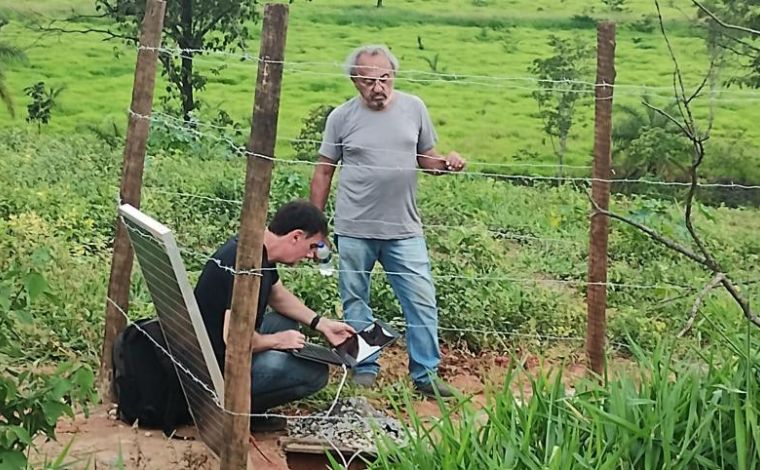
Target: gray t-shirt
377, 190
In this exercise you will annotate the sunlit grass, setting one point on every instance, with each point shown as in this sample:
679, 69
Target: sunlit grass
696, 413
492, 121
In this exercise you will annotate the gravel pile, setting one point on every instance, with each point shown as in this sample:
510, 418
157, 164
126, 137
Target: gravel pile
354, 431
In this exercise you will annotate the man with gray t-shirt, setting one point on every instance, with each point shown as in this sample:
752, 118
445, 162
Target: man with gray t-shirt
382, 139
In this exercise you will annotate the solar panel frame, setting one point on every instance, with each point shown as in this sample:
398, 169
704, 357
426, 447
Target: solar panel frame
161, 264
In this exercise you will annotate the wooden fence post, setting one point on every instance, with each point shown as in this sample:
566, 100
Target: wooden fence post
600, 192
245, 294
131, 183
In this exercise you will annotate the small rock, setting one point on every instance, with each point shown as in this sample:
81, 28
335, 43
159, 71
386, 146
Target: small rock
351, 424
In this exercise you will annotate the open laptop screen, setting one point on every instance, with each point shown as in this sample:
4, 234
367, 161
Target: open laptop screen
366, 342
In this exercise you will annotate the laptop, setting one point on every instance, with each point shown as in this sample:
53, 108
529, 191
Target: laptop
355, 349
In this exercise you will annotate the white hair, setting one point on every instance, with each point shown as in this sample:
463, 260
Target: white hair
372, 49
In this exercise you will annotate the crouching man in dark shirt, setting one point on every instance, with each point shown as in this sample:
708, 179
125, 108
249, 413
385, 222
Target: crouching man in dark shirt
278, 377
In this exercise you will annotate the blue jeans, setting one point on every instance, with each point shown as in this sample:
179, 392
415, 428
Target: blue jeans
413, 286
279, 377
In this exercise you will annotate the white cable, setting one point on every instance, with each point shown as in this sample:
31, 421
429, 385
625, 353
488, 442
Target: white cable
340, 387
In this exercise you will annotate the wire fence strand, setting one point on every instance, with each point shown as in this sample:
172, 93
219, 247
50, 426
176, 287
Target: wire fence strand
495, 81
242, 151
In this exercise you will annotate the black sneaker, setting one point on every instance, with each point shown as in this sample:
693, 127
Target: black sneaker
436, 388
268, 423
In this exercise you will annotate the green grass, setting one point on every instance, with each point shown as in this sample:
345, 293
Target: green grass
700, 414
485, 123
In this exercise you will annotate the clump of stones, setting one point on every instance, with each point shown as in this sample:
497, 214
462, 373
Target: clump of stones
353, 424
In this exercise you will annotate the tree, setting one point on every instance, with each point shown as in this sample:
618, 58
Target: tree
8, 53
722, 18
43, 102
698, 250
615, 6
648, 143
307, 144
560, 77
193, 26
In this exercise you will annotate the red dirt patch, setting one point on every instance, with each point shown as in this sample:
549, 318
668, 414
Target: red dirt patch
100, 441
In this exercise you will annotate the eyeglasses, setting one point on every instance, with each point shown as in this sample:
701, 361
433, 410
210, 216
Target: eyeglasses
370, 82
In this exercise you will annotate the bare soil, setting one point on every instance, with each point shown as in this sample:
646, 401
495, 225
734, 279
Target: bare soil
101, 442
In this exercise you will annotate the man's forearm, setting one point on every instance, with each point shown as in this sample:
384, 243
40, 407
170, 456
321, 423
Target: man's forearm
320, 189
261, 342
286, 303
432, 164
258, 343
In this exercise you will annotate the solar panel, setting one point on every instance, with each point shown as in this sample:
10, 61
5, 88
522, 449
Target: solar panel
181, 321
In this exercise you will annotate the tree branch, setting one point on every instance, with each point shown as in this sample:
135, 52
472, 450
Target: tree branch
715, 18
695, 308
716, 64
673, 245
689, 128
107, 32
697, 143
699, 154
212, 24
740, 41
666, 115
701, 85
743, 303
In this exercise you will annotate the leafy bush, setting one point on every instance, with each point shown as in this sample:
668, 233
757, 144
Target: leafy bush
307, 143
32, 402
43, 102
32, 396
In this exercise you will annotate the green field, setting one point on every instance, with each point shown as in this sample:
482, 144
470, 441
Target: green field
486, 119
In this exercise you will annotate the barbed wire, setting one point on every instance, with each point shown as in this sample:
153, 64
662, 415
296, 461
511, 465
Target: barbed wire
488, 278
498, 176
306, 269
164, 118
312, 269
446, 77
242, 151
434, 81
497, 232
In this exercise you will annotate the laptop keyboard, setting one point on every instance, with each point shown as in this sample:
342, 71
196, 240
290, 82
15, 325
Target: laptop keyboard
319, 353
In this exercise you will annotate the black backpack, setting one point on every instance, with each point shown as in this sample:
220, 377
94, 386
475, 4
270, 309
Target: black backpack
145, 382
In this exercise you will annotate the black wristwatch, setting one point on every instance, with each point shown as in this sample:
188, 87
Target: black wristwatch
315, 322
